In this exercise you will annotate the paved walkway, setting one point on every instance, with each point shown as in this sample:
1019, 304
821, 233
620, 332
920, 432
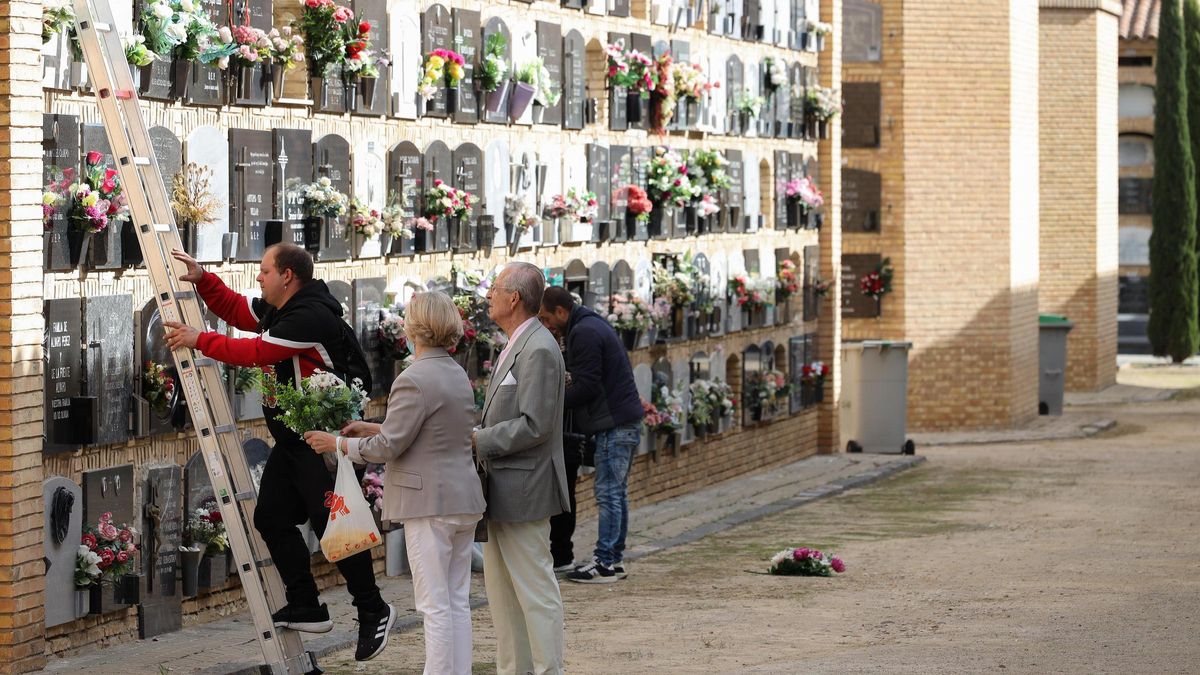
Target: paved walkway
227, 646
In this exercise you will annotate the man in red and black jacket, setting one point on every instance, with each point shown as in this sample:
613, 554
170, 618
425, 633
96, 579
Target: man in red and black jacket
299, 330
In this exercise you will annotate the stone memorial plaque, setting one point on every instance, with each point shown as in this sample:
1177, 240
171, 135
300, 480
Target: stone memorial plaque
733, 26
496, 26
598, 292
730, 219
702, 288
781, 109
597, 7
575, 279
438, 166
854, 304
716, 108
205, 84
370, 187
681, 372
735, 74
643, 279
783, 173
160, 610
549, 50
60, 151
152, 347
752, 25
860, 121
643, 44
436, 33
62, 375
369, 296
197, 484
618, 115
718, 290
574, 100
293, 169
599, 179
750, 259
525, 181
375, 12
681, 52
663, 375
252, 185
618, 8
331, 158
812, 271
752, 81
497, 182
862, 198
109, 490
108, 331
753, 175
621, 277
62, 506
797, 81
467, 161
766, 15
550, 182
407, 57
168, 152
467, 31
105, 247
344, 294
574, 4
620, 161
862, 31
798, 23
700, 367
405, 183
752, 368
208, 147
56, 63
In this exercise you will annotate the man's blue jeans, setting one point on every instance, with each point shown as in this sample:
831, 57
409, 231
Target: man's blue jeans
614, 455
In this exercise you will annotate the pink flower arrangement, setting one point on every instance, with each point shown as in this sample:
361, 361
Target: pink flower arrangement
789, 279
113, 543
557, 207
750, 293
638, 203
446, 201
630, 69
96, 198
372, 487
807, 562
55, 195
806, 191
708, 206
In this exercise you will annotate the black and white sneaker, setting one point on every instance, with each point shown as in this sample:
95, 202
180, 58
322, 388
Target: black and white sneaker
373, 631
305, 619
594, 572
619, 570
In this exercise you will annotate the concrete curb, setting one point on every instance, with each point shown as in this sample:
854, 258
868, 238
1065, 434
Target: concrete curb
339, 640
997, 438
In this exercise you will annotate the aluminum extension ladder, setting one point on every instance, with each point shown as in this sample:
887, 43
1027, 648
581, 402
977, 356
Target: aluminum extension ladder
212, 415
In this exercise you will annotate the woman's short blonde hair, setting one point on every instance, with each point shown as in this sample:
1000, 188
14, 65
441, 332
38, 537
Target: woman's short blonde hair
432, 320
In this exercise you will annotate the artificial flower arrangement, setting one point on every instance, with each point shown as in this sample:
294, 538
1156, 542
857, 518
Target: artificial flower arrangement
710, 166
392, 338
822, 103
814, 373
751, 293
691, 81
820, 286
181, 29
393, 219
96, 198
805, 562
325, 25
443, 67
364, 220
818, 27
136, 51
492, 68
157, 386
664, 87
665, 412
360, 61
675, 281
629, 312
638, 203
584, 205
55, 194
748, 104
711, 400
878, 282
192, 200
519, 210
557, 207
286, 47
630, 69
668, 181
322, 199
372, 487
113, 544
788, 279
247, 46
708, 206
322, 403
57, 16
763, 390
444, 200
206, 528
805, 191
776, 75
546, 94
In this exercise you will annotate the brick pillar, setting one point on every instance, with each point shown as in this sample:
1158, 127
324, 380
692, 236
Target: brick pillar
830, 240
21, 570
971, 211
1078, 135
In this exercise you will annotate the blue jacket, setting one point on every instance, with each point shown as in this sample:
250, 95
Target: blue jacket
602, 394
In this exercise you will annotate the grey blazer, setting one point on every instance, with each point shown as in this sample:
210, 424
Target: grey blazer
425, 441
521, 440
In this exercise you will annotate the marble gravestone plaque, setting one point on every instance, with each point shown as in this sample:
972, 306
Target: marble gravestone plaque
496, 26
259, 14
62, 506
862, 198
716, 116
407, 57
620, 171
550, 182
574, 100
109, 491
753, 176
344, 294
752, 368
766, 17
368, 299
735, 265
56, 63
436, 26
718, 292
375, 12
643, 44
205, 84
108, 331
854, 267
731, 205
862, 31
168, 153
781, 107
621, 277
734, 74
681, 371
681, 53
618, 8
702, 285
525, 179
549, 50
860, 121
60, 151
438, 166
599, 180
62, 375
598, 293
152, 347
293, 169
467, 32
496, 177
797, 80
105, 247
331, 158
370, 187
643, 380
197, 485
752, 26
783, 173
575, 279
812, 271
404, 184
618, 114
252, 185
160, 610
208, 147
643, 279
467, 161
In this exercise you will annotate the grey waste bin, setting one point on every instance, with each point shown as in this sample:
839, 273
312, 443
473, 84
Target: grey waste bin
1052, 362
874, 402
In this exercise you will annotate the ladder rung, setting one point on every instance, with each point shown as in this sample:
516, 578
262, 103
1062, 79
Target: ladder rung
225, 428
245, 496
205, 361
161, 227
188, 295
141, 161
103, 27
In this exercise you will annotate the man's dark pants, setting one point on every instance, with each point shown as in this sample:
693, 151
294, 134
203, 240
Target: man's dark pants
562, 526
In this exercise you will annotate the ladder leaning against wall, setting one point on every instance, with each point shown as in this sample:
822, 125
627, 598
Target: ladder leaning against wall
208, 402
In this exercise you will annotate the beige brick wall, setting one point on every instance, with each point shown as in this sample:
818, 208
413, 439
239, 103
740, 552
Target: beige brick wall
1078, 176
831, 325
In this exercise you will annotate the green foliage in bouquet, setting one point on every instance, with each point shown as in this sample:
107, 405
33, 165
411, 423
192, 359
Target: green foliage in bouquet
322, 402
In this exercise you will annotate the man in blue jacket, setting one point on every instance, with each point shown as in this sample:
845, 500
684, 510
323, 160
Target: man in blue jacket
603, 401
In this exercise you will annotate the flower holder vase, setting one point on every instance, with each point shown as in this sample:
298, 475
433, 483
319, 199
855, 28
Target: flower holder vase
350, 92
514, 238
690, 219
214, 571
495, 98
83, 602
451, 100
820, 42
795, 214
658, 216
78, 242
633, 108
190, 569
823, 129
181, 76
312, 233
522, 96
539, 112
135, 72
366, 90
131, 248
278, 79
629, 338
420, 239
678, 322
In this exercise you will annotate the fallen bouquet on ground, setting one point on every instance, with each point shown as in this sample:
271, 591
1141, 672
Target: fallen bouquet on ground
323, 402
805, 562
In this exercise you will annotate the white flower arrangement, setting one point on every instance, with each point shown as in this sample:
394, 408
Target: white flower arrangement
818, 27
520, 210
323, 199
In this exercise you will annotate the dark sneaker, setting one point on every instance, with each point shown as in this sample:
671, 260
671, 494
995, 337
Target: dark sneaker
373, 630
619, 570
306, 619
593, 573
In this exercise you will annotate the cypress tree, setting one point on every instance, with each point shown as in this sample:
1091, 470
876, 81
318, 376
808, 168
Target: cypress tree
1173, 283
1191, 28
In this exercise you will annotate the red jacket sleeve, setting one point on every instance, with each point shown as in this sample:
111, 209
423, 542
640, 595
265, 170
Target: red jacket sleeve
245, 352
235, 308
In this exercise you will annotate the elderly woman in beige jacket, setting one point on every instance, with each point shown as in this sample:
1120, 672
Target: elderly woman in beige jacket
430, 483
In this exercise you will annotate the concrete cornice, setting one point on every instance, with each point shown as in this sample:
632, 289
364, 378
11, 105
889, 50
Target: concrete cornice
1111, 6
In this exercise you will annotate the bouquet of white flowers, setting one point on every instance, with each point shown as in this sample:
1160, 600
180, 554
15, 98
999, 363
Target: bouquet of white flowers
323, 199
322, 402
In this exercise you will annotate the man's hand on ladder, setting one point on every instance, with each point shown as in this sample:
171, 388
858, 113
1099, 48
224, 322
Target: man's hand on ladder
181, 336
194, 271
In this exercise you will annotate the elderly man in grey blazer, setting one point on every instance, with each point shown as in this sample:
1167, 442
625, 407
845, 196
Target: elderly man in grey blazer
520, 444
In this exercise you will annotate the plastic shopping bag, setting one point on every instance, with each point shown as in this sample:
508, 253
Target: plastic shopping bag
351, 527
